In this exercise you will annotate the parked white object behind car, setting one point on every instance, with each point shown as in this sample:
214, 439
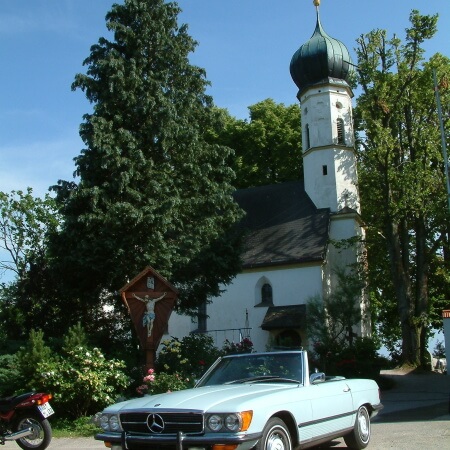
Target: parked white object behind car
269, 401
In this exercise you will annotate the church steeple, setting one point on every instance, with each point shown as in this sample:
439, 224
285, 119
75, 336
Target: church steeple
320, 58
321, 68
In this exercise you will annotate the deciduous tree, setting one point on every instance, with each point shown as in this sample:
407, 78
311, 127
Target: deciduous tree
25, 221
401, 178
268, 146
26, 300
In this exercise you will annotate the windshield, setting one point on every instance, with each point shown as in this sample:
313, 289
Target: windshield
255, 367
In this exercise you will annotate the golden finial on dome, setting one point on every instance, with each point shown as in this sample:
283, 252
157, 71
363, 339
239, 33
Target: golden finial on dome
316, 3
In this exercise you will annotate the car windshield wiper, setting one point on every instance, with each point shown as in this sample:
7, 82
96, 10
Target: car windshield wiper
277, 379
264, 378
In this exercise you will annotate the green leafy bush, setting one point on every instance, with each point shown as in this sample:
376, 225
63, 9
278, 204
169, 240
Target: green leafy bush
83, 381
189, 357
181, 362
80, 378
163, 382
29, 357
10, 379
359, 360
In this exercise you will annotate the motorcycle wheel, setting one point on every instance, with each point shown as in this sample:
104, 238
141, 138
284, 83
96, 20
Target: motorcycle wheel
42, 432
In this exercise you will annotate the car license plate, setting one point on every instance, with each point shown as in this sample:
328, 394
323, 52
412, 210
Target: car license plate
46, 410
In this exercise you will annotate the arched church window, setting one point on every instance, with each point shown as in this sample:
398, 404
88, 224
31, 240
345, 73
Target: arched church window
308, 142
266, 294
340, 131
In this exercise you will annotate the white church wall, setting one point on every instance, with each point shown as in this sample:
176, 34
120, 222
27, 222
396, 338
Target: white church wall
339, 258
332, 187
321, 186
344, 227
238, 303
345, 169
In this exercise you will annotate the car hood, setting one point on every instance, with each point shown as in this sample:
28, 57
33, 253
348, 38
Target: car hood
220, 398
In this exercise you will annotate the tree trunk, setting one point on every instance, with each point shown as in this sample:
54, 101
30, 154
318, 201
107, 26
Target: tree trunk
397, 242
421, 313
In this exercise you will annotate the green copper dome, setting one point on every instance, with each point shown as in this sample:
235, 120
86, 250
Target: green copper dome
320, 58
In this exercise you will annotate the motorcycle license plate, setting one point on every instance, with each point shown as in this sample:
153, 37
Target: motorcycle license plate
46, 410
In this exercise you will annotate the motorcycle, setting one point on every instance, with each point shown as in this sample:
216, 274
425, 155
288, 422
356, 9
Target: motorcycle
24, 419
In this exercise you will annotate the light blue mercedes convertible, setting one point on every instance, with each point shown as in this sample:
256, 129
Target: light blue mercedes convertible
266, 401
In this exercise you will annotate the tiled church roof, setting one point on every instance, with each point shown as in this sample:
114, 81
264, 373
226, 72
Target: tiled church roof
283, 225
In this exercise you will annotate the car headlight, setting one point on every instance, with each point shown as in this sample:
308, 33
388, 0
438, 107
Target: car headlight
114, 423
215, 422
230, 422
110, 422
233, 422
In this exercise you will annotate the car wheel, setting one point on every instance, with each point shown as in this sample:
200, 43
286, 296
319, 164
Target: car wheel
275, 436
360, 436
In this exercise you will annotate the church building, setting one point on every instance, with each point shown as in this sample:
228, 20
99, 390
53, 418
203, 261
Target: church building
290, 254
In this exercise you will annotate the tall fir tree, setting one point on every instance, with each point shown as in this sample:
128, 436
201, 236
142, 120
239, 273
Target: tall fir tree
150, 190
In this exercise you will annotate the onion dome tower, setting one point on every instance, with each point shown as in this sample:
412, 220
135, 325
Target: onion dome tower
320, 58
322, 69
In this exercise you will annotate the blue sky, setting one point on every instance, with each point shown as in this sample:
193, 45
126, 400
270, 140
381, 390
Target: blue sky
244, 45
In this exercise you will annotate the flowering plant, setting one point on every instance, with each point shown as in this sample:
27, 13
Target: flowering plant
188, 357
245, 346
163, 382
82, 381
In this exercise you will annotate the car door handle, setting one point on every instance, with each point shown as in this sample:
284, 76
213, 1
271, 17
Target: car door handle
346, 389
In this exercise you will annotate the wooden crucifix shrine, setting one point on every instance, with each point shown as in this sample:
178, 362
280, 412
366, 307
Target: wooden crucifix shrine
150, 300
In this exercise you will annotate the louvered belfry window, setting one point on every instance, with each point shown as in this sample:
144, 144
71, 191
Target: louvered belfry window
308, 142
340, 131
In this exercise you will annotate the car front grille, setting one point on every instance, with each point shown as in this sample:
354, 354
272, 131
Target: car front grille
168, 423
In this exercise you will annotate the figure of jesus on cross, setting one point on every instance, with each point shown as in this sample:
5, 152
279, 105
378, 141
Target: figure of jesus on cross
149, 316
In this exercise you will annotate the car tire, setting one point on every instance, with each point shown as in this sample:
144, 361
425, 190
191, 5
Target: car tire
275, 436
360, 436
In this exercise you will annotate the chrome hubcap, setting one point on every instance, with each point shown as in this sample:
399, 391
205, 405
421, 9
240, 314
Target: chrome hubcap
363, 426
275, 442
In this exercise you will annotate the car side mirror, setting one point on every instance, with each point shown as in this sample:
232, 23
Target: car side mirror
317, 377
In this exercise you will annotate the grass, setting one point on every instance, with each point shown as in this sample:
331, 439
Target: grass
82, 427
